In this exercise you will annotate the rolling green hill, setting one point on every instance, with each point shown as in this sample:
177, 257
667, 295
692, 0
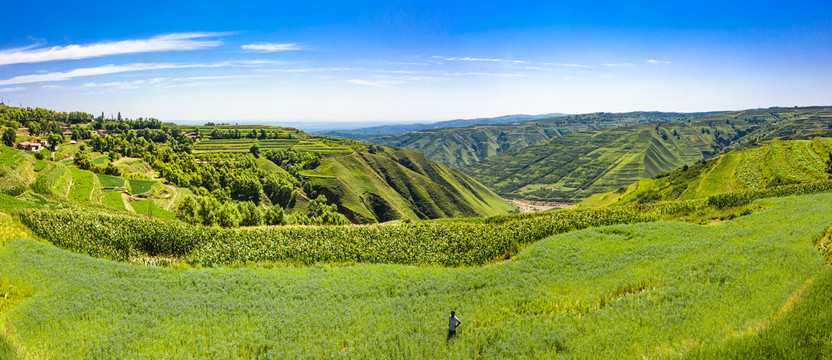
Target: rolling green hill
61, 182
396, 183
749, 287
777, 162
462, 146
575, 166
366, 183
394, 129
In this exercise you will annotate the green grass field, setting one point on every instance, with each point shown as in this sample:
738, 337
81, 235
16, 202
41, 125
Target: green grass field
149, 208
113, 199
83, 185
108, 181
663, 289
101, 160
772, 163
140, 186
243, 145
55, 179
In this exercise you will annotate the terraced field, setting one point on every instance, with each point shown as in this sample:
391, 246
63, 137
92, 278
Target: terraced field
650, 290
84, 186
243, 145
772, 163
54, 180
572, 167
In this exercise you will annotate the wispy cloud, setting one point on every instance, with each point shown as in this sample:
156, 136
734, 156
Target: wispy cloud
272, 47
492, 74
656, 62
316, 70
12, 89
569, 65
122, 85
168, 42
163, 82
113, 69
379, 84
619, 64
478, 59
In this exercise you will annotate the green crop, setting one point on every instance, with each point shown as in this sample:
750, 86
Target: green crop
452, 244
648, 290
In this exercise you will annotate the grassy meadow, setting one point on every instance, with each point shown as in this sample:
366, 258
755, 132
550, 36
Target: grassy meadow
659, 289
773, 163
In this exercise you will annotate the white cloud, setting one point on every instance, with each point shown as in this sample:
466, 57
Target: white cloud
11, 89
272, 47
619, 64
112, 69
478, 59
165, 82
122, 85
380, 84
308, 70
569, 65
168, 42
656, 62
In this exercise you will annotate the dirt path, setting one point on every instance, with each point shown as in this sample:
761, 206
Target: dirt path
175, 194
70, 184
526, 206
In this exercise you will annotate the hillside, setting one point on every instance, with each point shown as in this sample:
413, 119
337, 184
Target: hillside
40, 181
461, 146
575, 166
772, 163
382, 184
657, 289
395, 183
393, 129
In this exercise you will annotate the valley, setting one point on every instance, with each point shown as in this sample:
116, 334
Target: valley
311, 246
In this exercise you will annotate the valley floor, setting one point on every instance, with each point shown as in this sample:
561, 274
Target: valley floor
663, 289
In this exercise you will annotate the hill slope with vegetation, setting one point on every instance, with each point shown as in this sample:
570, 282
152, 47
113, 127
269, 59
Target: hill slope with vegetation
230, 175
394, 129
461, 146
771, 163
572, 167
657, 289
82, 280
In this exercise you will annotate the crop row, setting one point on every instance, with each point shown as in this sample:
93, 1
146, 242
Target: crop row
749, 172
122, 237
724, 201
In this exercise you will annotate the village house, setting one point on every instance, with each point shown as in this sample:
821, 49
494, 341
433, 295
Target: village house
33, 145
193, 136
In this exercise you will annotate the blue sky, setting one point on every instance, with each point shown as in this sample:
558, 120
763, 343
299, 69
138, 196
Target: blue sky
401, 61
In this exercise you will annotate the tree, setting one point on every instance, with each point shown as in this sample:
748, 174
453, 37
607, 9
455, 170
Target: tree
278, 189
320, 213
208, 210
82, 161
274, 216
255, 150
250, 214
829, 165
54, 140
9, 137
244, 188
188, 211
228, 215
34, 128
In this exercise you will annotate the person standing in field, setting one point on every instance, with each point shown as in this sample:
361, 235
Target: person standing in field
453, 323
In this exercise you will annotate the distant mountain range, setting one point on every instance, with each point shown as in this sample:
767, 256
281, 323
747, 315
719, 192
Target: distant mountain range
572, 167
462, 146
394, 129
